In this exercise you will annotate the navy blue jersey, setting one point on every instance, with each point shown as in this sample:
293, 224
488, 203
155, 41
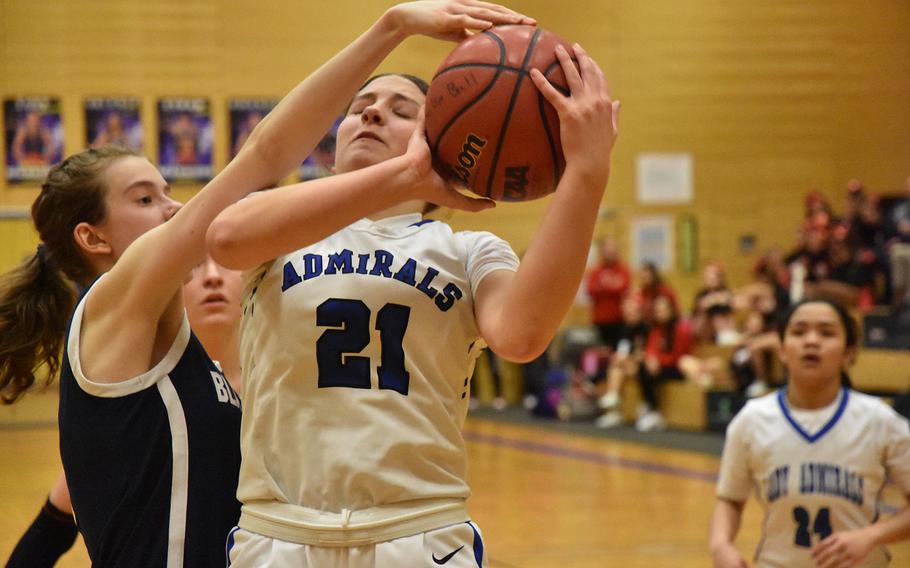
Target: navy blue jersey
152, 462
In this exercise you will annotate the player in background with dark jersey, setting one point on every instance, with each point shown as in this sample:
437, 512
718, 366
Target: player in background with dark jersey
817, 455
362, 324
212, 299
149, 436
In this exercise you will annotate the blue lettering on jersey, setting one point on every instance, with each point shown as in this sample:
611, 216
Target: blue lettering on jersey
291, 278
407, 272
424, 285
383, 264
831, 479
383, 261
450, 294
312, 266
778, 483
340, 261
362, 260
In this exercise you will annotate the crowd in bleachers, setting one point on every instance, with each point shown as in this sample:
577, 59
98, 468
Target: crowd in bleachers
726, 338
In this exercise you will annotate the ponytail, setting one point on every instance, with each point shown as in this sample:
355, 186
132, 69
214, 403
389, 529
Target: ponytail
35, 303
37, 297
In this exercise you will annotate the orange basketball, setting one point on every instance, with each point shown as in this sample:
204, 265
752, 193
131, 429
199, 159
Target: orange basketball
488, 126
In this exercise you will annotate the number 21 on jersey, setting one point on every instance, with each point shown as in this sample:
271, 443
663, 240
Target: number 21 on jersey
349, 333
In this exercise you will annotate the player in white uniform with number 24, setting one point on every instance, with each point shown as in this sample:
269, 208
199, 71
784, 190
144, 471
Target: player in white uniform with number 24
817, 454
363, 321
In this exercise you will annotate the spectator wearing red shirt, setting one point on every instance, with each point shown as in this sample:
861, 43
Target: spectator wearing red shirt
650, 287
607, 284
668, 339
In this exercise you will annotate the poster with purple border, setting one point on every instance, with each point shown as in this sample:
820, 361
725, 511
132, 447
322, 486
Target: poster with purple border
113, 121
320, 162
185, 139
243, 116
34, 137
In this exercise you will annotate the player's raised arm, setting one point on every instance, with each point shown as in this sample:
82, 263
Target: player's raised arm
285, 219
147, 279
518, 313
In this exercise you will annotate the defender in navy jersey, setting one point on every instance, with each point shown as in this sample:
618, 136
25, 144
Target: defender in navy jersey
212, 298
817, 454
362, 322
176, 433
149, 435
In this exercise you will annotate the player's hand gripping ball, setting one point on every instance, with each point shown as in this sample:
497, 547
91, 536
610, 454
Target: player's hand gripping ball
488, 126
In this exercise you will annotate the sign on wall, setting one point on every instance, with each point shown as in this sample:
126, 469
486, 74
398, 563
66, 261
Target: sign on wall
664, 178
320, 162
113, 121
34, 137
652, 241
185, 139
244, 115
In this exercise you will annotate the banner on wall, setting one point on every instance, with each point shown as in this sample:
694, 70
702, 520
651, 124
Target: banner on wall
34, 137
185, 139
243, 116
663, 178
652, 241
113, 121
320, 162
688, 243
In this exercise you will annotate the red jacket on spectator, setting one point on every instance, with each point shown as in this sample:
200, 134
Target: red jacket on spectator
646, 297
667, 352
607, 284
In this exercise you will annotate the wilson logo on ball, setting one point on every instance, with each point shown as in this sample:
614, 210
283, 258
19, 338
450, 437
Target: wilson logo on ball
467, 159
489, 128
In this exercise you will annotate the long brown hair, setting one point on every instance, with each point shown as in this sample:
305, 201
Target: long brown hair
38, 296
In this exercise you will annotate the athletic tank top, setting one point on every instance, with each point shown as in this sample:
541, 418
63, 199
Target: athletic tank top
152, 462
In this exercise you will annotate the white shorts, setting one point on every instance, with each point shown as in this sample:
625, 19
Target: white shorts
454, 546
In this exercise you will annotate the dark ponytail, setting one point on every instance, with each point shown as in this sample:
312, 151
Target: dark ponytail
37, 297
35, 302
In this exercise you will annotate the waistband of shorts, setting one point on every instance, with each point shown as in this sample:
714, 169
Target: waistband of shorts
301, 525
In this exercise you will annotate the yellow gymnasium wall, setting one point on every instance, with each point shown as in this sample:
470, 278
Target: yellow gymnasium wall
770, 98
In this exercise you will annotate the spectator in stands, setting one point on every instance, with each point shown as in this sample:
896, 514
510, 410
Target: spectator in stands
753, 360
714, 328
650, 287
853, 200
494, 365
810, 256
607, 284
899, 252
712, 309
624, 363
770, 284
669, 338
867, 229
817, 213
850, 281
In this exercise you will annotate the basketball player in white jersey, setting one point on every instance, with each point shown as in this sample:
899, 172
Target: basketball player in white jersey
817, 455
362, 322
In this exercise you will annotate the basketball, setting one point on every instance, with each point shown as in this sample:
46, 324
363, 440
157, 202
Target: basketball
488, 126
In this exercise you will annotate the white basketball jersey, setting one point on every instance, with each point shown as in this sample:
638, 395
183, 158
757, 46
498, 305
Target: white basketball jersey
814, 472
356, 355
